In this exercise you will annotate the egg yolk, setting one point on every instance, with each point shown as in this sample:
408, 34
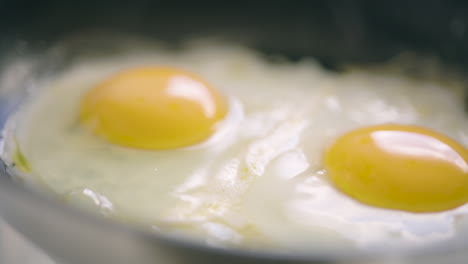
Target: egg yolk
400, 167
153, 108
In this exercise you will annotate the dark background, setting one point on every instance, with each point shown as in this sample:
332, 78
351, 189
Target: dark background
334, 31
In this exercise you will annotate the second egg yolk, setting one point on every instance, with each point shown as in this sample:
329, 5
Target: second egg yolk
400, 167
153, 108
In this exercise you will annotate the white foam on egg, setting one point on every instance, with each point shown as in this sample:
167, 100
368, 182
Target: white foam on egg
258, 182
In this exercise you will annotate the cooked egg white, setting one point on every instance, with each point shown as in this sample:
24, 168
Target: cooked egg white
258, 181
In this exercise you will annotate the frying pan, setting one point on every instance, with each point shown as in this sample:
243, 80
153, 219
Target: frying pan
336, 33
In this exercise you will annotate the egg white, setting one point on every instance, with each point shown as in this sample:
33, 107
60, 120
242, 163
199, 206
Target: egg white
258, 182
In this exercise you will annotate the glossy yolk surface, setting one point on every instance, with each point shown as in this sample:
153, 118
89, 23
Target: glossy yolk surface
400, 167
153, 108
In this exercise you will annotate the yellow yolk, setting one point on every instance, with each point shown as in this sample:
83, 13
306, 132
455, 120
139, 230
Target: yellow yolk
400, 167
153, 108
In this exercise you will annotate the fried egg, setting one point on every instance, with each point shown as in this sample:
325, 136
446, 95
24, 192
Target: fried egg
215, 143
